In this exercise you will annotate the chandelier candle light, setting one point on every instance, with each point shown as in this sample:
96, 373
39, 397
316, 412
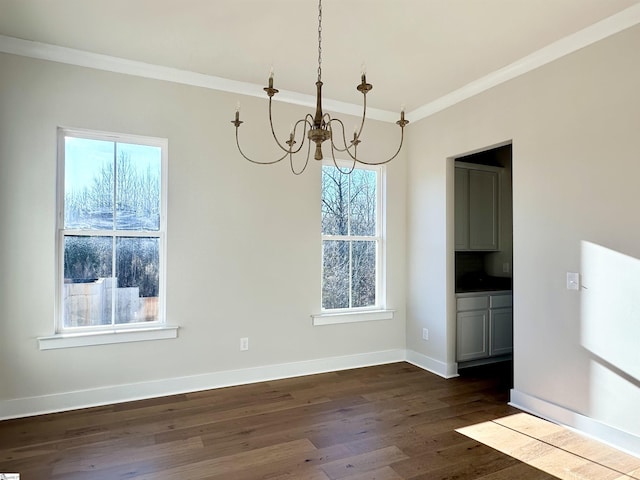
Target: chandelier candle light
320, 127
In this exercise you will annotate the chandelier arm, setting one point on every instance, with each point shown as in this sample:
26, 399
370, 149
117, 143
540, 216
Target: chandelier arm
304, 167
271, 162
355, 143
344, 138
304, 131
335, 162
284, 149
292, 136
386, 161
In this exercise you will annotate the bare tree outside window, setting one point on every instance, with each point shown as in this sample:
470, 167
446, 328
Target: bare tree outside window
111, 232
350, 234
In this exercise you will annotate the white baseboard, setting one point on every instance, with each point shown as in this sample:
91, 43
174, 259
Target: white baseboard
602, 432
445, 370
29, 406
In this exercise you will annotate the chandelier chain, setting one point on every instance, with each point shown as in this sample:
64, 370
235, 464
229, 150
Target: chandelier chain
320, 41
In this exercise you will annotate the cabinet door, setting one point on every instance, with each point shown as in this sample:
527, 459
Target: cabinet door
461, 208
483, 210
472, 335
500, 331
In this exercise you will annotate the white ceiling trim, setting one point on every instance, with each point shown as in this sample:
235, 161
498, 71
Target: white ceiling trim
609, 26
71, 56
598, 31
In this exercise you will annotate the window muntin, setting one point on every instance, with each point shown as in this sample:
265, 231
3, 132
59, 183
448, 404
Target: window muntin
111, 224
351, 238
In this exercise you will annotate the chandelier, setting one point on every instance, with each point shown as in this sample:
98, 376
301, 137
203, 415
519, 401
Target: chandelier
321, 126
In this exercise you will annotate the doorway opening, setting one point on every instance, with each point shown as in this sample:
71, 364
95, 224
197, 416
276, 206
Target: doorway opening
483, 207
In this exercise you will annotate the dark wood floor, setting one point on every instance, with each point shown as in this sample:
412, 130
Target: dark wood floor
385, 422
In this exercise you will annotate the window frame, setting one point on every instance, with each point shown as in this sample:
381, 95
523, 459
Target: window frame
377, 311
114, 332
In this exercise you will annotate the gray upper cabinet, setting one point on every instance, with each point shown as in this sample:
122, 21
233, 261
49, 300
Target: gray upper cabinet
477, 208
462, 209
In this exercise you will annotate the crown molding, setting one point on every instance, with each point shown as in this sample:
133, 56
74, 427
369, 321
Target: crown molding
598, 31
81, 58
609, 26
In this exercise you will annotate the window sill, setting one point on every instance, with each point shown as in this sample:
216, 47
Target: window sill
70, 340
351, 317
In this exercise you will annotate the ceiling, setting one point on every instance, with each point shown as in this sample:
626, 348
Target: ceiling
415, 51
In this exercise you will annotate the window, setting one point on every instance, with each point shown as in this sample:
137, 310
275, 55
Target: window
352, 246
111, 231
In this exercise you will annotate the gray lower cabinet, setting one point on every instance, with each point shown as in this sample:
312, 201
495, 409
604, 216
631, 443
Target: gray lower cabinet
484, 323
477, 212
472, 340
500, 331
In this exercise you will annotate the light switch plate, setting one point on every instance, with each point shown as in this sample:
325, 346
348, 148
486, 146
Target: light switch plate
573, 281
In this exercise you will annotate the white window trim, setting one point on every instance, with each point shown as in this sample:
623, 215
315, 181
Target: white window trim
351, 316
86, 336
106, 337
379, 311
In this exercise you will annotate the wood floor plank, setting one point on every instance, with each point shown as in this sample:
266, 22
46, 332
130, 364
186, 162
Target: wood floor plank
530, 425
363, 462
91, 458
564, 465
593, 450
233, 465
518, 471
508, 441
447, 461
307, 474
384, 473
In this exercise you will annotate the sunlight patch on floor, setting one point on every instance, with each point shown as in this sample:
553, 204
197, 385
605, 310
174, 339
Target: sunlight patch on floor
554, 449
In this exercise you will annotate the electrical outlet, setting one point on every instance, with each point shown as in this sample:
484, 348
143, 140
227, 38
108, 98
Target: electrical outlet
505, 267
244, 343
425, 334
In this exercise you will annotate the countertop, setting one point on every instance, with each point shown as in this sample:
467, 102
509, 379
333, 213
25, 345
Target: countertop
478, 282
